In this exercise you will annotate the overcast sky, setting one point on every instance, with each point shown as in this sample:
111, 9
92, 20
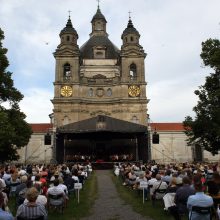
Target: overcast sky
171, 34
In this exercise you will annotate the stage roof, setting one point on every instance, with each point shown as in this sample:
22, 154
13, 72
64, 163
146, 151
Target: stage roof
102, 123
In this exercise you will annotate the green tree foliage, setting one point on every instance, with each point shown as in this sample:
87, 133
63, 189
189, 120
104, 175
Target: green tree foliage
14, 130
204, 130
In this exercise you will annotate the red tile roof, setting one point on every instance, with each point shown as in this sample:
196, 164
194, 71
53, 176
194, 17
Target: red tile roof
38, 128
167, 126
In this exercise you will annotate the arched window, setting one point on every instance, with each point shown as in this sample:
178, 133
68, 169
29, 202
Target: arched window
132, 38
133, 71
98, 26
68, 38
67, 71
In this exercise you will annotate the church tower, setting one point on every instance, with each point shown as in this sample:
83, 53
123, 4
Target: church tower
99, 78
67, 74
133, 73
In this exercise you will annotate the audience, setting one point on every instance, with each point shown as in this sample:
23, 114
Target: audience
180, 180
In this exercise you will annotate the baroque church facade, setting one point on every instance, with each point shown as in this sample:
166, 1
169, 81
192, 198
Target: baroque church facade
98, 78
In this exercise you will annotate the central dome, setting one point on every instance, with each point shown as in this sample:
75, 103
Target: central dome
111, 51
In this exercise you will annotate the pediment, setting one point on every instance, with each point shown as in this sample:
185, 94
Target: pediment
133, 53
66, 52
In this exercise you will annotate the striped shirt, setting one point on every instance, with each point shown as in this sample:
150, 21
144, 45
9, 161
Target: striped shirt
31, 211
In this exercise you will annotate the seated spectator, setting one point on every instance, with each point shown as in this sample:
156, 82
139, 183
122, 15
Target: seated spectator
131, 178
55, 190
170, 194
214, 184
200, 200
31, 209
181, 198
172, 187
5, 197
75, 175
21, 191
41, 199
158, 185
14, 182
151, 182
62, 186
70, 182
4, 215
167, 177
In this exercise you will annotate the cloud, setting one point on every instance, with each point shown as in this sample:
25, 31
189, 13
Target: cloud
36, 105
171, 34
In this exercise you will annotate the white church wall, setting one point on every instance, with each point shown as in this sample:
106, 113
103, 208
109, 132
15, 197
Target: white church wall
35, 151
173, 148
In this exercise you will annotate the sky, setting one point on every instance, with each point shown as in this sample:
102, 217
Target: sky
171, 34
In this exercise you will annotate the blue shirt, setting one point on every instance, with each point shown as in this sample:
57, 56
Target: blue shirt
201, 200
5, 215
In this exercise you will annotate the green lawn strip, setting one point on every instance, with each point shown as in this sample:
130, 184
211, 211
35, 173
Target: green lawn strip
135, 199
74, 210
77, 210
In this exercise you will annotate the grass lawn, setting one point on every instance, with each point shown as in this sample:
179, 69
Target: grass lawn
135, 199
74, 211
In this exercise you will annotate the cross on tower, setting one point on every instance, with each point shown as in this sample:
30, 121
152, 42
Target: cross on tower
69, 12
98, 2
129, 15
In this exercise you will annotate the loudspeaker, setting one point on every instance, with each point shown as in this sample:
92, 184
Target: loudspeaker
156, 138
47, 139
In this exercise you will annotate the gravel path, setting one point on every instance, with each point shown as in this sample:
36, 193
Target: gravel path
109, 206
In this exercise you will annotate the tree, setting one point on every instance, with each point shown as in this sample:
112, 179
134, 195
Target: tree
204, 130
14, 130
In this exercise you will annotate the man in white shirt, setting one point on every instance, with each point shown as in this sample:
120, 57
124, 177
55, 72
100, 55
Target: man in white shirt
55, 190
158, 185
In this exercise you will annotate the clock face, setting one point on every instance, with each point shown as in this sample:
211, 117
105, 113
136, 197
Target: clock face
134, 91
66, 91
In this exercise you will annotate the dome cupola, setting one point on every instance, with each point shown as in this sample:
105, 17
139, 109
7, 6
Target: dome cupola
98, 24
130, 34
68, 35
